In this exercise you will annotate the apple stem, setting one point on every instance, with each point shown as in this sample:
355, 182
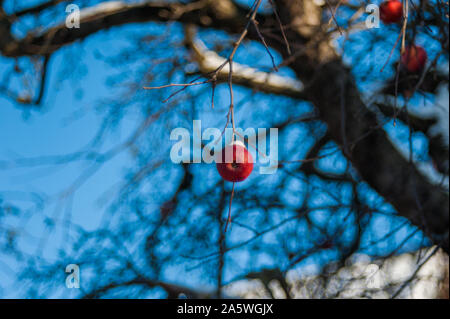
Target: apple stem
229, 208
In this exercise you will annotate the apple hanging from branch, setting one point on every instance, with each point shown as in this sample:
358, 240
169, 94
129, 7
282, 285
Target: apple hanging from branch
391, 11
414, 58
234, 164
239, 167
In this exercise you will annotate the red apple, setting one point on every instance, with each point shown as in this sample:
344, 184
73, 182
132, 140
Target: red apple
391, 11
414, 58
240, 163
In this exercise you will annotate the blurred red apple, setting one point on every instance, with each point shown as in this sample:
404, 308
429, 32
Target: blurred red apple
391, 11
241, 164
414, 58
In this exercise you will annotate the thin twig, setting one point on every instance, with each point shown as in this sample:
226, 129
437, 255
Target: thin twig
334, 17
288, 47
229, 208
